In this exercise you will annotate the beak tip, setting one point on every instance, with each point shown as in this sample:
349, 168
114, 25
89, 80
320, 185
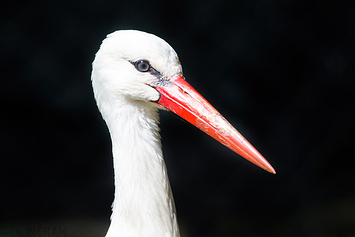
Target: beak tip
266, 166
269, 169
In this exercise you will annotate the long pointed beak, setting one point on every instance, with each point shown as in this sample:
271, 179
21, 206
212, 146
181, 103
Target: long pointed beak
182, 99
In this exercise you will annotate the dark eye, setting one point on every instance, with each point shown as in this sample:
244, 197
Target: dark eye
142, 65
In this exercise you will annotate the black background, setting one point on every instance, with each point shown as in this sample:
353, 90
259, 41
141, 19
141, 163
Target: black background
279, 71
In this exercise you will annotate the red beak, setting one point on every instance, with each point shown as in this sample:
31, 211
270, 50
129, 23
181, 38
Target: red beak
182, 99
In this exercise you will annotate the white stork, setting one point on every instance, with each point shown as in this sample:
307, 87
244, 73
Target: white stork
134, 74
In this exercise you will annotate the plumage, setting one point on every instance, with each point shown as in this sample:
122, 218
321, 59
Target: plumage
143, 203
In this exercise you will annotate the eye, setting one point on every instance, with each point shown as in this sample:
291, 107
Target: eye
142, 65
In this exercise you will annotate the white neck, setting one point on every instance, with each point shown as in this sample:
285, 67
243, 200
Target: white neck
143, 203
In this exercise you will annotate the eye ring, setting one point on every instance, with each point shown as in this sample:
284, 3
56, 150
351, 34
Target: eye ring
143, 65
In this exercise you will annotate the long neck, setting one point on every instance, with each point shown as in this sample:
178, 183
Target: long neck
143, 203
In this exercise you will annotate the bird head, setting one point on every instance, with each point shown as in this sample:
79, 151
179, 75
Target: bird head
129, 62
136, 66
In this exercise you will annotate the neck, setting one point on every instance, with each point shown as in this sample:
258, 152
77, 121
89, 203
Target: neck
143, 203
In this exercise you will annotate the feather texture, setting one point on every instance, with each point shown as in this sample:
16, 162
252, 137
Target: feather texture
143, 203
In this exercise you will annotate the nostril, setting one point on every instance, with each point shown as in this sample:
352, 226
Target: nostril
183, 91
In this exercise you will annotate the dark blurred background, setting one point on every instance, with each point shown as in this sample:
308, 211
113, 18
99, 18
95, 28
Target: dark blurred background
280, 71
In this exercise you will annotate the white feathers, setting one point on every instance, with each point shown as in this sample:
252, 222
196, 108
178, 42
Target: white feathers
143, 203
113, 72
143, 45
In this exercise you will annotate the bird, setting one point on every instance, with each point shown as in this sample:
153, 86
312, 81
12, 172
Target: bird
134, 74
